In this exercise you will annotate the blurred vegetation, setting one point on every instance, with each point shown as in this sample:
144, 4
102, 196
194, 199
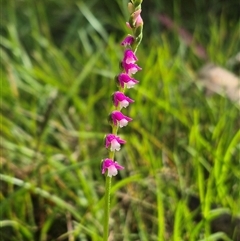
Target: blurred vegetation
58, 61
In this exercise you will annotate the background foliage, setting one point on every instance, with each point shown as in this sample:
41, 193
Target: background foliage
58, 62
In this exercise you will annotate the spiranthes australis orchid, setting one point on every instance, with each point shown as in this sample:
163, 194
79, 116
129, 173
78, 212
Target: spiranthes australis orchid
113, 142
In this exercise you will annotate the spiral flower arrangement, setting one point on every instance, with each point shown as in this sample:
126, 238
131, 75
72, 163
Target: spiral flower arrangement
125, 80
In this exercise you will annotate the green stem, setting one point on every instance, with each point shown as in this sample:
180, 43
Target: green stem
107, 209
107, 195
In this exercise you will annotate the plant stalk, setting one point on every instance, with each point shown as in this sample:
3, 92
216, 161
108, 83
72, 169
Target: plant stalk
107, 208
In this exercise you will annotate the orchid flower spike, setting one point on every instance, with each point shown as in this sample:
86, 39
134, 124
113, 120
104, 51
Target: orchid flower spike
111, 166
119, 119
114, 142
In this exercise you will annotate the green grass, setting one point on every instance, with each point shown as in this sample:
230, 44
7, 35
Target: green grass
56, 86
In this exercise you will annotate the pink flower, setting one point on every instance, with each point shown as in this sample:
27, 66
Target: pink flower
122, 100
114, 142
124, 78
111, 166
128, 41
119, 119
137, 19
129, 57
130, 68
